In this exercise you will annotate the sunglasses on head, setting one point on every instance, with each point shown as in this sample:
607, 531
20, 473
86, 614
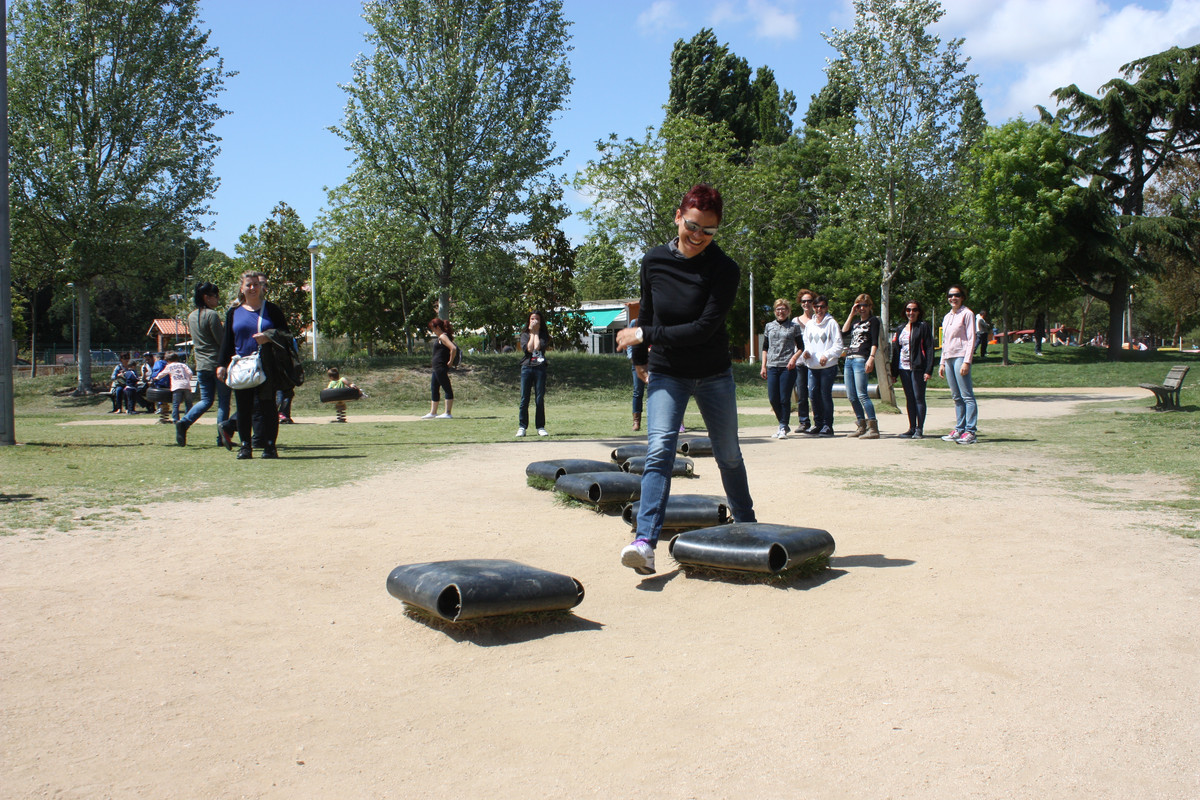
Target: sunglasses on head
694, 227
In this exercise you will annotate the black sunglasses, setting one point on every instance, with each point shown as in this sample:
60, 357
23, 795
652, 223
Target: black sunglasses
912, 308
694, 227
954, 294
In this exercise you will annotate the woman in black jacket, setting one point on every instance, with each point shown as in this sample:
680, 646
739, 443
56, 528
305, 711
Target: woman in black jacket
245, 330
681, 347
912, 361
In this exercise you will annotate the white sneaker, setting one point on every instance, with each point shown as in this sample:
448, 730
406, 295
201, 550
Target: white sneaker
444, 416
952, 436
543, 432
638, 555
782, 432
520, 432
430, 415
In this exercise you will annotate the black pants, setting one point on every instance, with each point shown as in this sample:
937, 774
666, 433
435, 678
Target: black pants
256, 409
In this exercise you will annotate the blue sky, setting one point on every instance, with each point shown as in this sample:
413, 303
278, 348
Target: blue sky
291, 56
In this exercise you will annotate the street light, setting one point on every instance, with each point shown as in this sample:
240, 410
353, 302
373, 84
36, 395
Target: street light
313, 249
74, 342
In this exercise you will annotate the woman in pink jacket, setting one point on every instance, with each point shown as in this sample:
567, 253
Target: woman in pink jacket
958, 345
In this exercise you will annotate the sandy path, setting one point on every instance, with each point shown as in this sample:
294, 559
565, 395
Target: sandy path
967, 642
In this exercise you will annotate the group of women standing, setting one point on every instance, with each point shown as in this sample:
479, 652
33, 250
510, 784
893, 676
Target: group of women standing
803, 352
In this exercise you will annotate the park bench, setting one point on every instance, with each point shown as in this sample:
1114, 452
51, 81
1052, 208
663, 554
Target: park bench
1167, 392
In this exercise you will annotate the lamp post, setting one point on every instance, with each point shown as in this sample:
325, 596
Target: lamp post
313, 249
74, 343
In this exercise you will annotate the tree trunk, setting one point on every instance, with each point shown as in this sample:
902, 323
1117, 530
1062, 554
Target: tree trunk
1116, 315
887, 392
83, 357
444, 288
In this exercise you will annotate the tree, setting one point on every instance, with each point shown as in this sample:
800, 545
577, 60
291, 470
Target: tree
1015, 210
550, 288
450, 115
601, 271
710, 82
278, 248
909, 90
375, 278
1177, 282
1126, 135
111, 110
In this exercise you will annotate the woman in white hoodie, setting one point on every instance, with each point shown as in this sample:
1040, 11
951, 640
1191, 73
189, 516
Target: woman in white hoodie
822, 348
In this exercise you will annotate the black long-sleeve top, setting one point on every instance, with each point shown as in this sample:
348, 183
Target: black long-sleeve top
684, 304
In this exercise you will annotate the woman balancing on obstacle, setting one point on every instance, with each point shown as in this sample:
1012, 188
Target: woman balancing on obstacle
688, 287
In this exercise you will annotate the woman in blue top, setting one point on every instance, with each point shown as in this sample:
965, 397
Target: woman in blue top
245, 324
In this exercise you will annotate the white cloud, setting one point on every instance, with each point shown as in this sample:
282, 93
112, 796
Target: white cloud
770, 21
1023, 30
1129, 34
661, 15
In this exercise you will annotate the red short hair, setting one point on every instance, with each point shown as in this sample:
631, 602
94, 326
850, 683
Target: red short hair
703, 197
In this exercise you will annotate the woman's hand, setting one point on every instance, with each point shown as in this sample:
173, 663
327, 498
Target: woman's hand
261, 338
870, 364
763, 372
221, 374
627, 337
941, 370
965, 369
642, 372
928, 375
822, 360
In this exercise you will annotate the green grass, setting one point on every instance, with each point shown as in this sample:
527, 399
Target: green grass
61, 476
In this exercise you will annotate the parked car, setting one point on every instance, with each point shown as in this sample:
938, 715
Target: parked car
104, 358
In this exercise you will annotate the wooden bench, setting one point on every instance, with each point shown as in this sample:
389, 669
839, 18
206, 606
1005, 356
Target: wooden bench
1168, 391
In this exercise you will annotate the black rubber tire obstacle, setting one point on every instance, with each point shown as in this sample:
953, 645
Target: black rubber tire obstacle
685, 512
683, 467
696, 446
751, 547
553, 470
482, 587
340, 395
601, 488
628, 451
155, 394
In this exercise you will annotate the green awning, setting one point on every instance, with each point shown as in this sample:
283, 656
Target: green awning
604, 318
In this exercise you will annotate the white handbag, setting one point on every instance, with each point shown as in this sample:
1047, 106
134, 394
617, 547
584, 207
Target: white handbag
245, 372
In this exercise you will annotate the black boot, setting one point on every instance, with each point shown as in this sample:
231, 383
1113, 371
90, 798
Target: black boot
245, 451
181, 433
269, 451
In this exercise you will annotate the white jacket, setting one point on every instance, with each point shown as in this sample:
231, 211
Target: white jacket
822, 339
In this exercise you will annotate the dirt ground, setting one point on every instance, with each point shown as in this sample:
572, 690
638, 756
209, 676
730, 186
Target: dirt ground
987, 630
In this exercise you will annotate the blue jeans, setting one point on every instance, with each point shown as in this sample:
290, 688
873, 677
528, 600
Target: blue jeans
820, 387
914, 398
666, 400
639, 389
966, 411
802, 416
780, 383
856, 388
208, 385
533, 378
179, 397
